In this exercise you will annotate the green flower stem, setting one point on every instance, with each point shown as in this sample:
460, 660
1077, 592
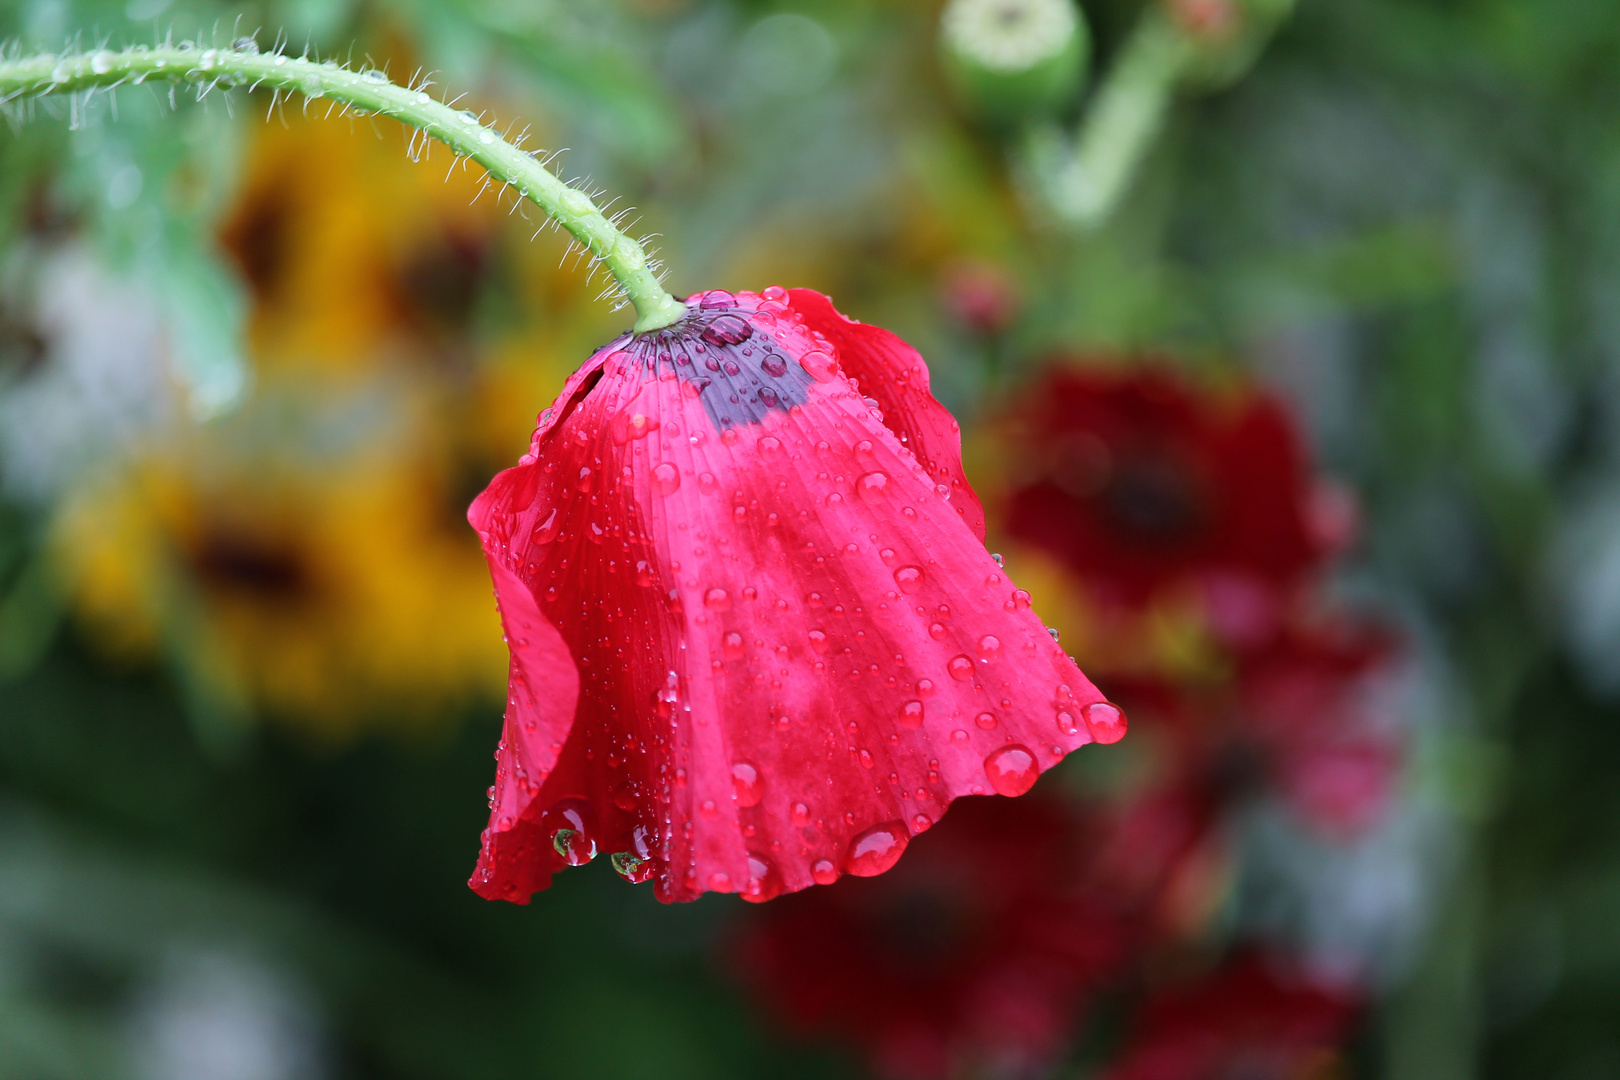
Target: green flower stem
371, 92
1084, 181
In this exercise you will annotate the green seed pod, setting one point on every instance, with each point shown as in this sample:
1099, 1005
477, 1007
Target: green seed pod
1014, 60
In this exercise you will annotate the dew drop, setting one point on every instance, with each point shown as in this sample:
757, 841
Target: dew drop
708, 810
764, 883
911, 714
774, 366
961, 668
644, 573
936, 631
1067, 723
818, 640
800, 814
586, 480
624, 795
372, 75
823, 872
732, 645
925, 687
875, 850
989, 647
959, 737
666, 478
770, 445
1012, 769
720, 882
1105, 721
986, 721
747, 783
873, 486
632, 868
819, 365
909, 578
717, 600
727, 330
546, 531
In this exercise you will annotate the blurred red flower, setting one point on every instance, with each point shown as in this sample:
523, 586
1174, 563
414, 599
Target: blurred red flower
756, 639
1138, 480
974, 957
1304, 719
1244, 1020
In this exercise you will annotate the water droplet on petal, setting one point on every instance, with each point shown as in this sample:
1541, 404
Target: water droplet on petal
546, 531
644, 573
746, 781
909, 578
717, 600
989, 647
1105, 721
764, 883
986, 721
961, 668
800, 814
1067, 723
632, 868
770, 444
911, 714
586, 480
873, 486
925, 687
823, 872
666, 478
819, 365
727, 330
875, 850
719, 882
1012, 769
732, 645
818, 640
773, 365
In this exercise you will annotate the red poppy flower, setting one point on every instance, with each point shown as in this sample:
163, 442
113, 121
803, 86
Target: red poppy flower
756, 639
1244, 1020
1136, 480
972, 958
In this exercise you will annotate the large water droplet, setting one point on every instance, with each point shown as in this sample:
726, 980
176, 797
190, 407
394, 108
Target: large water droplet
986, 721
961, 668
632, 868
875, 850
1012, 769
989, 647
873, 486
546, 531
773, 365
819, 365
666, 478
911, 714
909, 578
727, 330
1105, 721
823, 872
818, 640
571, 824
764, 883
1067, 723
800, 814
717, 600
748, 784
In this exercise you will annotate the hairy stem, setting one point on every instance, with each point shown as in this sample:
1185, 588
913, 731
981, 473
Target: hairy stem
372, 92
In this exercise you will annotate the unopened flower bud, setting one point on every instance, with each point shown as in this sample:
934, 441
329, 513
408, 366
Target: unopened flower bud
1012, 60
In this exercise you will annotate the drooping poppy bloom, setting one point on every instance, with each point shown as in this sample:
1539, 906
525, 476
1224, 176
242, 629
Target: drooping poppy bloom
1244, 1020
974, 957
757, 641
1138, 481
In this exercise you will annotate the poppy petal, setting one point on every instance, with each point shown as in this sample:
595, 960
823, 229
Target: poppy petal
895, 376
542, 692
